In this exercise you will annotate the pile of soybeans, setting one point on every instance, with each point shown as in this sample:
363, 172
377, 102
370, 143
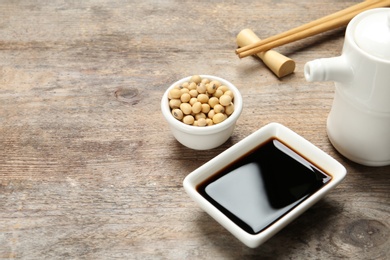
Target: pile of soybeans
201, 101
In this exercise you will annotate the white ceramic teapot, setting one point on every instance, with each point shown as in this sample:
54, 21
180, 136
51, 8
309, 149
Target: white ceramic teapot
358, 124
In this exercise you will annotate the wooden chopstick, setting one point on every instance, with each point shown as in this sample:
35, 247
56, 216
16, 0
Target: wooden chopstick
323, 24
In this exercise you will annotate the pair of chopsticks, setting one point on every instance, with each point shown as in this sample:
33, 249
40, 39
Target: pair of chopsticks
323, 24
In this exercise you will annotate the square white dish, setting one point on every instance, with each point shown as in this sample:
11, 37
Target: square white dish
298, 144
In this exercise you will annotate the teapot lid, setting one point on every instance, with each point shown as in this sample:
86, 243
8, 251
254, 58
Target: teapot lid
372, 33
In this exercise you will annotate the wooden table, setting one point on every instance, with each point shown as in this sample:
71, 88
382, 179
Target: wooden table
88, 166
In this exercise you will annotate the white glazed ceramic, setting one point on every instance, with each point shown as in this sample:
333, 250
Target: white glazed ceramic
359, 122
298, 143
203, 138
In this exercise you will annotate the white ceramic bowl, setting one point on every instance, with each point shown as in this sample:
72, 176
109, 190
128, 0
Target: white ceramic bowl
274, 130
203, 138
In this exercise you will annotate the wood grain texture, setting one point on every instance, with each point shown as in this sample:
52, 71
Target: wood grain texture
90, 170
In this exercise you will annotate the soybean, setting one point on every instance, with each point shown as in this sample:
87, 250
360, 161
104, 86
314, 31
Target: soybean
211, 87
201, 88
218, 118
218, 93
177, 113
185, 98
193, 101
202, 122
194, 93
211, 113
218, 108
184, 90
205, 81
205, 108
192, 85
229, 93
175, 93
213, 101
174, 103
189, 120
196, 78
224, 100
223, 88
229, 109
186, 108
197, 107
203, 98
200, 115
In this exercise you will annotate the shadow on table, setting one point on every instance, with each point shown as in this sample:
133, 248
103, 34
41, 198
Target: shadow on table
188, 159
295, 237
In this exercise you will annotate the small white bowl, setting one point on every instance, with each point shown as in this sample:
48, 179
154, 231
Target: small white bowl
301, 146
208, 137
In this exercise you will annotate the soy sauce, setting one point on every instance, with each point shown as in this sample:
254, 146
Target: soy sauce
262, 186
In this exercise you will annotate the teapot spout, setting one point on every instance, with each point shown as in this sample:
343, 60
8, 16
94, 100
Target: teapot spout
328, 69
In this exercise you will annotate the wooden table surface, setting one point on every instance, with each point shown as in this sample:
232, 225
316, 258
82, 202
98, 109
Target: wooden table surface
89, 168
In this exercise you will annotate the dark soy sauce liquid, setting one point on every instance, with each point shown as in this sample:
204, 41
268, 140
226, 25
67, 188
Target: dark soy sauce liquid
262, 186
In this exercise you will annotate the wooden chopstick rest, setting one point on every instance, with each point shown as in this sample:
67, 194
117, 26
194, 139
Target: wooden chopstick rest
278, 63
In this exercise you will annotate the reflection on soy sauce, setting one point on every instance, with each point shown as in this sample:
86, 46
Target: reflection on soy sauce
263, 185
